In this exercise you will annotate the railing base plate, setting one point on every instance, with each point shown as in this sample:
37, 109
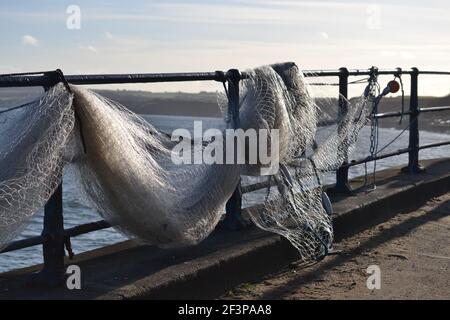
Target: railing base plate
46, 279
413, 169
344, 189
233, 223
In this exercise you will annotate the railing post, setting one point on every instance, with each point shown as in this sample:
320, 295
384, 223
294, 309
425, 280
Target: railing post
54, 230
233, 220
53, 273
342, 185
413, 154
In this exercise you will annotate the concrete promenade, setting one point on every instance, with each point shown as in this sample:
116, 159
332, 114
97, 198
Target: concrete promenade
228, 259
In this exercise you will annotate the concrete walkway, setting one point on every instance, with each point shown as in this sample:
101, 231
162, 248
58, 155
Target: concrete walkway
412, 251
226, 259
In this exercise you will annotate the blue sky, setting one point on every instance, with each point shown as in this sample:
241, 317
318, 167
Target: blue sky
171, 36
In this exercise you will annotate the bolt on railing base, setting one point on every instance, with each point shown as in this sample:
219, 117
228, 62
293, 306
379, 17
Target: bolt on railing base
342, 185
232, 223
53, 273
233, 219
343, 189
413, 169
46, 279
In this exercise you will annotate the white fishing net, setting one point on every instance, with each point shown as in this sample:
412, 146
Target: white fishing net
124, 166
32, 142
128, 174
313, 142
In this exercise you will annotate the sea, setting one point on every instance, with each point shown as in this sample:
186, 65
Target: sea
77, 212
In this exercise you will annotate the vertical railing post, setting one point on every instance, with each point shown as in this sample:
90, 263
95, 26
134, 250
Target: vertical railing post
413, 154
233, 207
53, 231
53, 272
342, 185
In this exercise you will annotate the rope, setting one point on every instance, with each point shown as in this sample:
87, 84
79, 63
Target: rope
398, 136
399, 77
63, 79
15, 108
374, 137
357, 81
372, 92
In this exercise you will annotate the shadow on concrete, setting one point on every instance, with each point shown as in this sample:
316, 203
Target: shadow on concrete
386, 235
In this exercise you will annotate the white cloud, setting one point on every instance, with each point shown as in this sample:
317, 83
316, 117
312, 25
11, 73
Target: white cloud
324, 35
91, 48
109, 36
30, 40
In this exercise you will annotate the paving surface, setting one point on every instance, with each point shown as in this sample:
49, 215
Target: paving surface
412, 251
226, 259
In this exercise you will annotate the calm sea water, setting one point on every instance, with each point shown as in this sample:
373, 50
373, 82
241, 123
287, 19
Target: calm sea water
76, 212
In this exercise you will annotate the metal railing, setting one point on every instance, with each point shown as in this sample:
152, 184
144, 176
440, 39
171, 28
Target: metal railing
55, 238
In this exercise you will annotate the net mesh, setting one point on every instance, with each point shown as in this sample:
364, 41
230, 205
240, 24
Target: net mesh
313, 141
32, 146
128, 174
124, 166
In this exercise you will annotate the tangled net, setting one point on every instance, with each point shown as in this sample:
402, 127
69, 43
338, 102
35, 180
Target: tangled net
313, 142
123, 165
32, 148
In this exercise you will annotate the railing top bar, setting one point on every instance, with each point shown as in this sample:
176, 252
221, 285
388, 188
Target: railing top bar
435, 72
43, 79
22, 80
367, 72
144, 77
355, 72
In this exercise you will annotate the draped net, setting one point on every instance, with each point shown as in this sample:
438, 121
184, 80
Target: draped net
123, 165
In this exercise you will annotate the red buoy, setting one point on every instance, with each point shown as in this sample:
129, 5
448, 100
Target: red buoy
393, 86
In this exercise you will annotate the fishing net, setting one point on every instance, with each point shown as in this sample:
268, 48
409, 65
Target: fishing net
124, 167
314, 140
128, 175
32, 143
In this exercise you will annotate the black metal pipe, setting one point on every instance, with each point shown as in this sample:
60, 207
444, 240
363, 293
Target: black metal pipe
342, 184
434, 109
355, 72
24, 243
41, 79
233, 220
54, 231
390, 114
71, 232
399, 114
413, 158
258, 186
86, 228
435, 72
395, 153
434, 145
44, 80
52, 274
